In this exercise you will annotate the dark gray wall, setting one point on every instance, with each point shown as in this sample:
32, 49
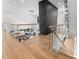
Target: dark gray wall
48, 16
51, 16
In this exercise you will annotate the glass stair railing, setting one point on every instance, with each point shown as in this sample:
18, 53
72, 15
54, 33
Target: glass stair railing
57, 36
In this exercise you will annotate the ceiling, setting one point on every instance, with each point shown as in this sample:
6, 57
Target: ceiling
17, 5
20, 9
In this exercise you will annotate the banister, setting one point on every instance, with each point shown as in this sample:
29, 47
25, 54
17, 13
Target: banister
57, 25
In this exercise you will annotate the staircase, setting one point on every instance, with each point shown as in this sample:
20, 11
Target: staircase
58, 41
57, 36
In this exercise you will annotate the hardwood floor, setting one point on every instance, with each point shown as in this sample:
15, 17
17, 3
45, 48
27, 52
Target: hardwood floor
35, 48
70, 47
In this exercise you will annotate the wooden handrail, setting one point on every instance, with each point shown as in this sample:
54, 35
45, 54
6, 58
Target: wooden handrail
57, 25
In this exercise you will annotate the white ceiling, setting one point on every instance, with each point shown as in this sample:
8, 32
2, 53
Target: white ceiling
19, 9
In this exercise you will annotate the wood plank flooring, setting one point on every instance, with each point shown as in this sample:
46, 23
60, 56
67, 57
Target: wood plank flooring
35, 48
69, 50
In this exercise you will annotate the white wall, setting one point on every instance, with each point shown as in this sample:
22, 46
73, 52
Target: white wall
72, 4
61, 15
16, 11
73, 16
